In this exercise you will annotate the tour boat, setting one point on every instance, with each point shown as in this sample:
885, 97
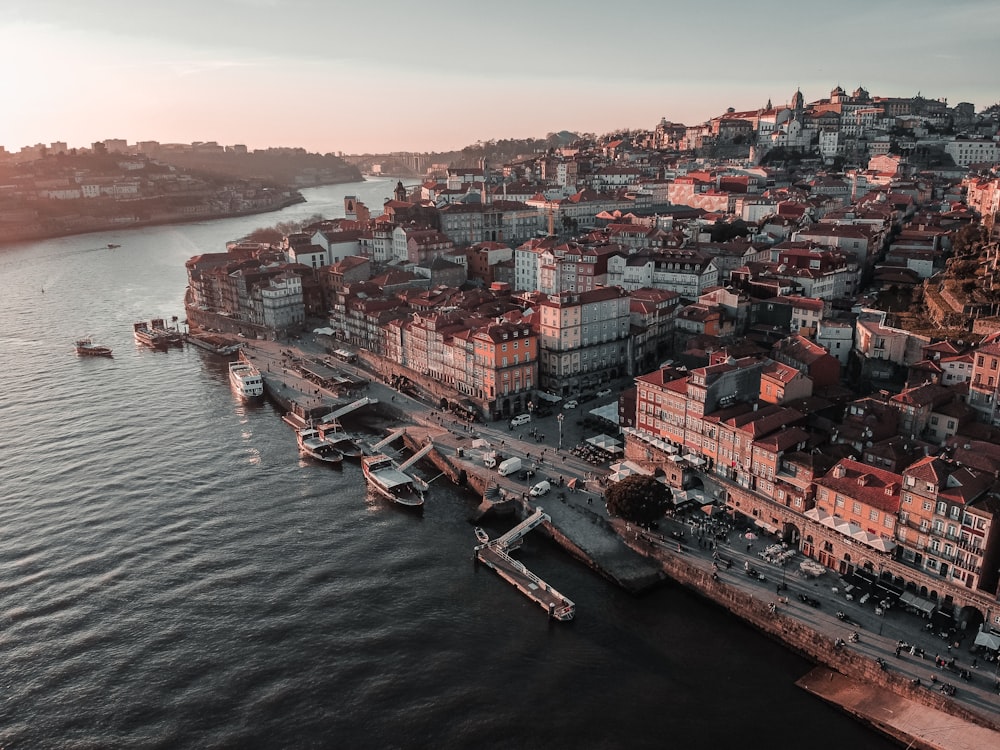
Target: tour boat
316, 447
87, 348
388, 480
246, 380
112, 246
343, 442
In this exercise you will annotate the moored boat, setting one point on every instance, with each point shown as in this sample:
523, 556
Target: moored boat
316, 447
388, 480
246, 380
482, 536
146, 336
168, 334
343, 442
87, 348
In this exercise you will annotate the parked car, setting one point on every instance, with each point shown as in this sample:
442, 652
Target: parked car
571, 404
541, 488
604, 392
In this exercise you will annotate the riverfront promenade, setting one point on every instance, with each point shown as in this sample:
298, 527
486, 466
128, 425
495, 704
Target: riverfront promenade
639, 559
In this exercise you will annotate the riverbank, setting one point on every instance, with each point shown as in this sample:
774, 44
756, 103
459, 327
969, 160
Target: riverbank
10, 237
679, 551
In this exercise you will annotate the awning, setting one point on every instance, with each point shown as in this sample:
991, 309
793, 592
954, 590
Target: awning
608, 412
853, 531
606, 443
693, 459
912, 600
766, 526
989, 640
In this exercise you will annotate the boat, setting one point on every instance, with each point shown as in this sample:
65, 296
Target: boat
113, 246
216, 344
156, 335
482, 536
316, 447
169, 334
343, 442
146, 336
246, 380
87, 348
385, 477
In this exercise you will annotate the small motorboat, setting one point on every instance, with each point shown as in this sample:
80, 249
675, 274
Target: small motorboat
482, 536
87, 348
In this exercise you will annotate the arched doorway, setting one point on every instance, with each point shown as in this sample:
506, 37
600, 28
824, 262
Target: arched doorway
845, 565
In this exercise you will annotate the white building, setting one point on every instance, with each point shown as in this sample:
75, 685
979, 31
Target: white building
281, 303
837, 337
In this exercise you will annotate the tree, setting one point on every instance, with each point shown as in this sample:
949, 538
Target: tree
638, 498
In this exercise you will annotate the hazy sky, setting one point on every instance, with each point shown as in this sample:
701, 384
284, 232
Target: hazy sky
386, 75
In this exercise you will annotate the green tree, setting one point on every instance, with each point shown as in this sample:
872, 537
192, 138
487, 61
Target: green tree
638, 498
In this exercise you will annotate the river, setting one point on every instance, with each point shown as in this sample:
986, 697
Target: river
173, 575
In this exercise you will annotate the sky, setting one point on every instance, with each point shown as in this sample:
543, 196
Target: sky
392, 75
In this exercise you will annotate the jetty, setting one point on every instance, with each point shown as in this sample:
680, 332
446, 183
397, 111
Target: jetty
391, 437
494, 554
336, 414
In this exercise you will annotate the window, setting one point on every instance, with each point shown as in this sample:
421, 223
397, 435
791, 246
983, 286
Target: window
873, 515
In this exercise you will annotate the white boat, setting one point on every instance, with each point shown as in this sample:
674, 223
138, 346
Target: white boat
482, 536
388, 480
246, 380
314, 446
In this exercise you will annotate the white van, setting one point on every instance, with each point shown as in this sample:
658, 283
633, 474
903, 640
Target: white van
520, 419
541, 488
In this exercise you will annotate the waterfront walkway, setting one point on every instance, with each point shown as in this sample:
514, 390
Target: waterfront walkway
581, 518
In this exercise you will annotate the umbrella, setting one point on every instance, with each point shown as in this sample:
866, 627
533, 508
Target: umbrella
709, 509
750, 535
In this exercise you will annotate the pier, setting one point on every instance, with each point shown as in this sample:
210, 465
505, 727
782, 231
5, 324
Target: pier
494, 554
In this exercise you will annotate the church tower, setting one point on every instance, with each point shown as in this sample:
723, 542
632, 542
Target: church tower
798, 105
400, 192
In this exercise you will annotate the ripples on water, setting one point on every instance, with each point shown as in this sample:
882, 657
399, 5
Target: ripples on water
173, 575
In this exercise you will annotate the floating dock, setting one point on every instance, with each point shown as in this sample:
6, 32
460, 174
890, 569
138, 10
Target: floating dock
494, 554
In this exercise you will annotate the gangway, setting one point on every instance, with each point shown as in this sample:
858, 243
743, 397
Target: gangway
338, 413
493, 553
514, 535
394, 435
417, 456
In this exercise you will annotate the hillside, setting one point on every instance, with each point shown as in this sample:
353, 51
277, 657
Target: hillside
291, 167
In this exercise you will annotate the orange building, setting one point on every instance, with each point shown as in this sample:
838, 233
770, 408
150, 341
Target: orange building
860, 502
505, 369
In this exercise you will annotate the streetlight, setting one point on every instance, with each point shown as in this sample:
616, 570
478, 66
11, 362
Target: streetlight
559, 418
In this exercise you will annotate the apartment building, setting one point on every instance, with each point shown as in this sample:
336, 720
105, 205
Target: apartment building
583, 339
946, 523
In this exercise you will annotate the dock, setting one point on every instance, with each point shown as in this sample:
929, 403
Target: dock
494, 554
